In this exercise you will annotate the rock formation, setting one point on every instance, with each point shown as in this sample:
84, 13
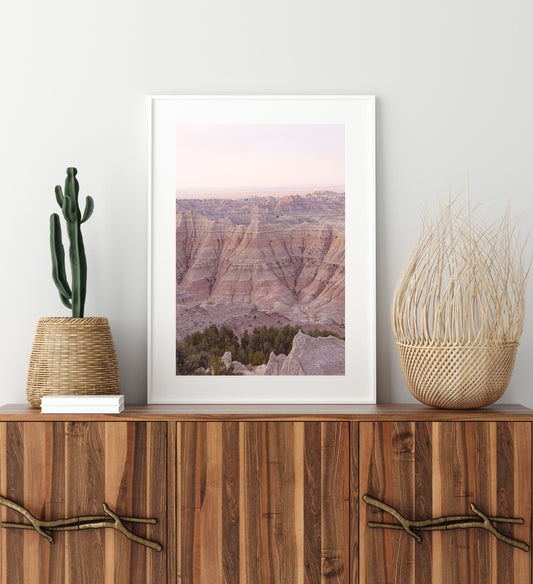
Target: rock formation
324, 206
226, 359
277, 261
309, 356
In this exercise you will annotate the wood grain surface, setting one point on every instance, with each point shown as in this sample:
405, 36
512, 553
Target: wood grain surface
68, 469
263, 502
272, 497
277, 412
431, 469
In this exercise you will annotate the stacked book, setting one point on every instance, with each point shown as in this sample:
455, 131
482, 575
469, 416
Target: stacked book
82, 404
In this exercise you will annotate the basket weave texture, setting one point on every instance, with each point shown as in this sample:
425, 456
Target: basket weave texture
462, 377
72, 356
458, 307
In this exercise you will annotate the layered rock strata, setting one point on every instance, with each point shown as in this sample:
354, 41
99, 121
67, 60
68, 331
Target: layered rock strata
251, 268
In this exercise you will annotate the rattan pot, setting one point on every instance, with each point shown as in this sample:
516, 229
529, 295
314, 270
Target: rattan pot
458, 308
72, 356
457, 377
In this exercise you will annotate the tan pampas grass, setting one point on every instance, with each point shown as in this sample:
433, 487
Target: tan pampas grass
458, 308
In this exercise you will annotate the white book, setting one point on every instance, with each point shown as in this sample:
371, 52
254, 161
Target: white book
82, 410
82, 399
83, 404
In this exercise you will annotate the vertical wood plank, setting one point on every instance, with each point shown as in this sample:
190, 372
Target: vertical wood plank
481, 546
3, 489
180, 503
376, 544
250, 516
354, 533
33, 496
210, 511
452, 498
14, 539
346, 500
172, 508
265, 515
116, 549
230, 502
161, 488
332, 504
280, 496
136, 493
299, 497
522, 503
56, 453
84, 475
423, 432
403, 497
138, 476
493, 437
506, 495
188, 471
436, 539
313, 503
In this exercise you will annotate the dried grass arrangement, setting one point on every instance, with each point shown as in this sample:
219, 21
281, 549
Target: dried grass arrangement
458, 308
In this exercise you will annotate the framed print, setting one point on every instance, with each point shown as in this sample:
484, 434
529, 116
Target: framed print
262, 249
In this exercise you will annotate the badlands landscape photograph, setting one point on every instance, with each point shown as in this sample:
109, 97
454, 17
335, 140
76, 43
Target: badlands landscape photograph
260, 249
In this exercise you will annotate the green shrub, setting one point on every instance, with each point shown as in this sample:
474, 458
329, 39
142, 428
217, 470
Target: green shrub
204, 349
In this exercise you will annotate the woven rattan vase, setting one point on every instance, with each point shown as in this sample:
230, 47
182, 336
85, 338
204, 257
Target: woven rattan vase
72, 356
458, 308
457, 377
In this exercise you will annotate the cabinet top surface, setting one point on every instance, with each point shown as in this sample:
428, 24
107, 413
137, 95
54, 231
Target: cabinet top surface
311, 412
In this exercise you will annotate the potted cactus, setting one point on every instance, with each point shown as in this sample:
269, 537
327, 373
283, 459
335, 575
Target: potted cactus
71, 355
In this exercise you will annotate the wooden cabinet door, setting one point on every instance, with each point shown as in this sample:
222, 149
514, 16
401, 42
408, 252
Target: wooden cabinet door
263, 502
69, 469
428, 470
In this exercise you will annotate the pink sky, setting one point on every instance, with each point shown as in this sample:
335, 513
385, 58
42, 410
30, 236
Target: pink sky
224, 157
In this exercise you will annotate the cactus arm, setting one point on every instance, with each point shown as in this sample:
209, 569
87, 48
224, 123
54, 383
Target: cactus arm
72, 189
78, 265
58, 261
68, 201
65, 301
68, 213
89, 208
59, 195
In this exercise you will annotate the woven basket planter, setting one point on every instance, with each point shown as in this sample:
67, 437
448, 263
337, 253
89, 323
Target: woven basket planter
72, 356
457, 377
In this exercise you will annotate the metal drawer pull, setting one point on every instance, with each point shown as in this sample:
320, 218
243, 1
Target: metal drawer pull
108, 521
479, 521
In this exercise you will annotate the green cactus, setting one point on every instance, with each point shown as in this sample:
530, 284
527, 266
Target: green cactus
72, 298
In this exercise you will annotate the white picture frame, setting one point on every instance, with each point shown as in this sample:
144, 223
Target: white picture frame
358, 384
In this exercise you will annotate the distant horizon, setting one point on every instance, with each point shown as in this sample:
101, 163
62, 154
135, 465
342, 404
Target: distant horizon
224, 158
243, 193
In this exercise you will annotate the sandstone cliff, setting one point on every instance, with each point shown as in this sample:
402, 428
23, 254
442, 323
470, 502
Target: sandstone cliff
309, 356
273, 271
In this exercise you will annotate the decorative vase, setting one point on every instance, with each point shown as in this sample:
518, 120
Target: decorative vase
458, 309
72, 356
461, 377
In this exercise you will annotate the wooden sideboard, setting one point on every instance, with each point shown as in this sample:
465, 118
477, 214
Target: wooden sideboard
268, 494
